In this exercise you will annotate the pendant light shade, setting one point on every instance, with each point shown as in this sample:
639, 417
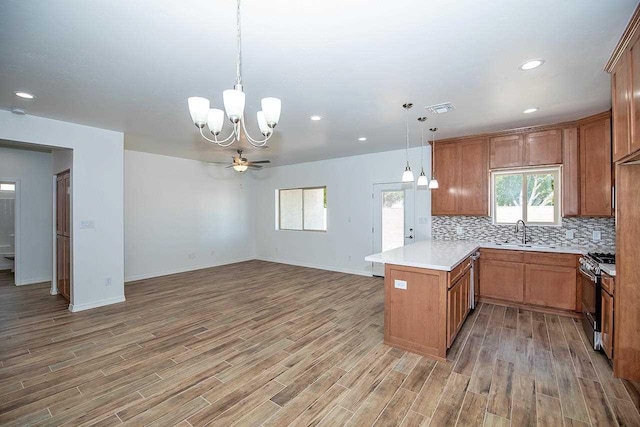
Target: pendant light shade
433, 184
407, 175
199, 110
233, 104
215, 120
262, 123
423, 181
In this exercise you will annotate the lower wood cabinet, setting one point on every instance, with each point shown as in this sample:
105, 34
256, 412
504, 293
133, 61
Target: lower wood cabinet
550, 286
457, 306
502, 280
607, 324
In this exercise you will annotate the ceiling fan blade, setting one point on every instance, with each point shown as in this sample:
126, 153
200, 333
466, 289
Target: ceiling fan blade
254, 166
230, 166
260, 161
218, 163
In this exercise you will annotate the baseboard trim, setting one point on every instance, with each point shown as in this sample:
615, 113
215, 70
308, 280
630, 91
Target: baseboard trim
87, 306
144, 276
317, 266
36, 281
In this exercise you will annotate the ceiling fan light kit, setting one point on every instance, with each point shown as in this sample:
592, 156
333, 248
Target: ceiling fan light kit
234, 102
241, 164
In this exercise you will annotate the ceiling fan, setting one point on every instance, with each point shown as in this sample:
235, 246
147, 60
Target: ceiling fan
241, 164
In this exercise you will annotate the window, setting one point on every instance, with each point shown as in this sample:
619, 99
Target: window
7, 187
529, 195
302, 209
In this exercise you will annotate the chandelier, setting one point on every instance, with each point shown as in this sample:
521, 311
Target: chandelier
234, 100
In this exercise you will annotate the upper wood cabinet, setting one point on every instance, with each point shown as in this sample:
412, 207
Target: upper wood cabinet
595, 168
621, 103
634, 94
570, 172
506, 151
462, 171
543, 148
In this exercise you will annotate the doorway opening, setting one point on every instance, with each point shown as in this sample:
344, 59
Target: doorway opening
63, 234
393, 219
8, 229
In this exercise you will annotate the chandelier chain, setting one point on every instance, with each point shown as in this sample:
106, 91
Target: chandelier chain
239, 32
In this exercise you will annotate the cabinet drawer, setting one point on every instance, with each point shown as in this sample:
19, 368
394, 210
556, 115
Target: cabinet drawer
502, 255
458, 271
546, 258
608, 283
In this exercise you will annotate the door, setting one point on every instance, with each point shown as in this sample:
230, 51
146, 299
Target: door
393, 219
63, 234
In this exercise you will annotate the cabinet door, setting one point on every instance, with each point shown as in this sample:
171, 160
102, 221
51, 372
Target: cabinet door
634, 94
543, 148
621, 104
607, 324
444, 200
506, 151
502, 280
473, 197
457, 306
595, 169
551, 286
570, 173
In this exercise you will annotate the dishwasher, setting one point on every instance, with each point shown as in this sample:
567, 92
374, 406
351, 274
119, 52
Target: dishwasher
475, 277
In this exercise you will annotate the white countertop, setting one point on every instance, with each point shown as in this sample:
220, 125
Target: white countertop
447, 254
610, 269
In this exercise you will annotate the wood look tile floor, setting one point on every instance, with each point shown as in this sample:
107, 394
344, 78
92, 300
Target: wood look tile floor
259, 343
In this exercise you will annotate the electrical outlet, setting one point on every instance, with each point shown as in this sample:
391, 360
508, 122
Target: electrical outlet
596, 236
400, 284
107, 281
459, 231
276, 249
213, 253
349, 219
349, 258
570, 234
192, 255
87, 224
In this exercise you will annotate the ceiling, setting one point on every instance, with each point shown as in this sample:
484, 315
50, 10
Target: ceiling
130, 66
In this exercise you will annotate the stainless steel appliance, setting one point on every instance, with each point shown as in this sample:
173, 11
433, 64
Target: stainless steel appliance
591, 282
475, 276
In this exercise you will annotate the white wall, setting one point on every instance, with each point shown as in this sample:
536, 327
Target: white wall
349, 182
32, 170
97, 196
177, 207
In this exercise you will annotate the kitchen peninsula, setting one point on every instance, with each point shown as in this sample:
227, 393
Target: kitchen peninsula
429, 287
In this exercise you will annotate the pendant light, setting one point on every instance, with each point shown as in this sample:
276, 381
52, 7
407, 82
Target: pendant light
433, 184
407, 175
422, 179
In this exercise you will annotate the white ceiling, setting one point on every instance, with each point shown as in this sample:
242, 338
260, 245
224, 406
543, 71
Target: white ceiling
130, 66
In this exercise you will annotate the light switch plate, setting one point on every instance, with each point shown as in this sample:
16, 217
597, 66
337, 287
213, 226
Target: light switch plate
87, 223
570, 234
597, 235
400, 284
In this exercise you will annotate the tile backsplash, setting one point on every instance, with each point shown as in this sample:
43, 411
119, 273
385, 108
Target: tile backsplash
482, 229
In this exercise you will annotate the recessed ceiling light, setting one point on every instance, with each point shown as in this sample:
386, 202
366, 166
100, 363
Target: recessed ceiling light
316, 118
24, 95
530, 65
362, 138
530, 110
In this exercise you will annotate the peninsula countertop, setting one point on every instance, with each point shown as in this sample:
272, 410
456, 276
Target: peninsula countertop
447, 254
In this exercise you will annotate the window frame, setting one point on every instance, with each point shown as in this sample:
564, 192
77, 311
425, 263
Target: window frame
557, 196
279, 210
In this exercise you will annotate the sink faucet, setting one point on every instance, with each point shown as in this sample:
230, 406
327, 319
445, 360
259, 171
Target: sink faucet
524, 231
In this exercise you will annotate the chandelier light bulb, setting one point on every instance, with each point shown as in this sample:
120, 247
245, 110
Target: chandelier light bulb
271, 108
199, 110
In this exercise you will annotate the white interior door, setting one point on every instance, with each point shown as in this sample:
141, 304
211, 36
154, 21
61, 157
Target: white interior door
393, 219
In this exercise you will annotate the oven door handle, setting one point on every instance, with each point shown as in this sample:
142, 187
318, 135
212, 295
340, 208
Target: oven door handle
592, 277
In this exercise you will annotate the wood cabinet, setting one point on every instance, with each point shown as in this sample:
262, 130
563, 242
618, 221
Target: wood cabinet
457, 306
570, 172
506, 151
501, 280
534, 278
444, 200
595, 169
606, 324
543, 148
550, 286
634, 94
621, 103
462, 171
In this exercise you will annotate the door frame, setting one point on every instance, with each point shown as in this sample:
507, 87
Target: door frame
17, 271
404, 186
54, 215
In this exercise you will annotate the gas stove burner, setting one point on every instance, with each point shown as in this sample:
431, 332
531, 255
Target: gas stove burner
603, 258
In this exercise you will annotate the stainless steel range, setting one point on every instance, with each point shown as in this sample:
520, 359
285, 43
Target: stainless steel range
591, 281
